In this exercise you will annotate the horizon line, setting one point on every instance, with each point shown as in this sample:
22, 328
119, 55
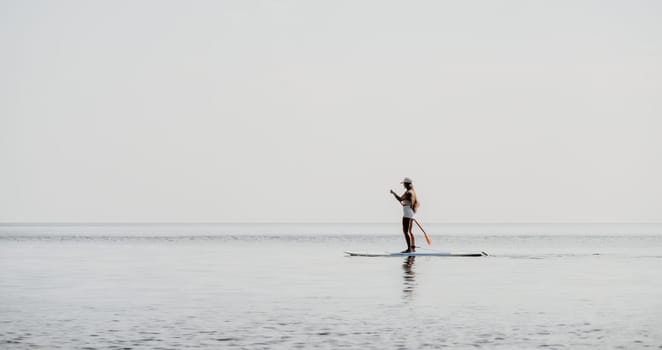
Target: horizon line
145, 223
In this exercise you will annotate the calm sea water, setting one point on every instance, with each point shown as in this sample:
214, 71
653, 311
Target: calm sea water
291, 286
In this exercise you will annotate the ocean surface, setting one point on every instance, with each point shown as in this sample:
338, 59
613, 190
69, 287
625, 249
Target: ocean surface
289, 286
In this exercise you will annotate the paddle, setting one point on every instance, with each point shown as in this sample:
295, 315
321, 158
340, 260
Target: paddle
427, 238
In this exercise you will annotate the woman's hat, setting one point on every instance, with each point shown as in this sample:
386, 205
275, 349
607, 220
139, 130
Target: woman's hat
406, 181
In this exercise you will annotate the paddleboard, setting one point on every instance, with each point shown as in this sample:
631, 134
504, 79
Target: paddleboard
414, 254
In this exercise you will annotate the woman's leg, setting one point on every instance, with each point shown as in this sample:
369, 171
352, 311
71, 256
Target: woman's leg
412, 248
406, 228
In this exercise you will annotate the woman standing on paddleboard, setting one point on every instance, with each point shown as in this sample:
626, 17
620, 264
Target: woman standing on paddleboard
409, 204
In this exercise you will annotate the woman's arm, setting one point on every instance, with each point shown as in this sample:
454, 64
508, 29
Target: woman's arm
396, 196
414, 201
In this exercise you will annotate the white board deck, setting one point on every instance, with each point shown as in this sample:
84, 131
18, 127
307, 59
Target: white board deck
386, 254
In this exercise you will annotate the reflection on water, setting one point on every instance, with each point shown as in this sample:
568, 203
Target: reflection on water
409, 276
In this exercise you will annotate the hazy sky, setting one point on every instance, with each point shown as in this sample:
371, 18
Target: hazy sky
286, 111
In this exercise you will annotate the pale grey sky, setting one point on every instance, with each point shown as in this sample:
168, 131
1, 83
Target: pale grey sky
286, 111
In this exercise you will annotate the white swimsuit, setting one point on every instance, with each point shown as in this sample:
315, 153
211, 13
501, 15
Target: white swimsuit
407, 211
